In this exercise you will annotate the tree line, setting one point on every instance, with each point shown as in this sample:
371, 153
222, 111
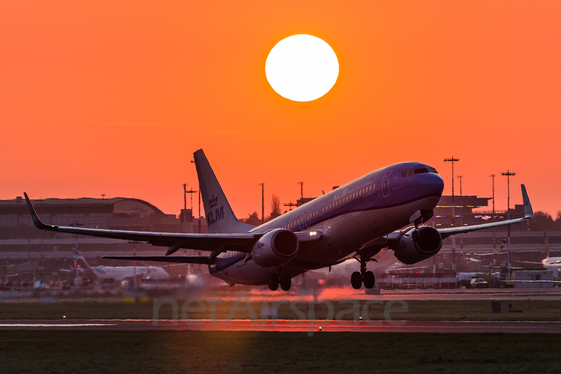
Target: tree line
543, 221
254, 218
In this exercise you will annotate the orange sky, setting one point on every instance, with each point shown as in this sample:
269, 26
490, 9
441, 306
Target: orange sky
114, 97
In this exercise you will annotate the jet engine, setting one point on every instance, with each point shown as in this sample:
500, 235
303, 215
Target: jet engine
418, 246
274, 248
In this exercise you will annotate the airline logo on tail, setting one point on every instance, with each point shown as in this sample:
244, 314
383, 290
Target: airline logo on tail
215, 216
213, 201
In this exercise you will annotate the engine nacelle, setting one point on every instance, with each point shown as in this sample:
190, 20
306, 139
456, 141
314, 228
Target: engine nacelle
426, 244
275, 248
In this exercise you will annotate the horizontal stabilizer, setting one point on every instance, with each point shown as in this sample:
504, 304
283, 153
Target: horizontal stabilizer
177, 259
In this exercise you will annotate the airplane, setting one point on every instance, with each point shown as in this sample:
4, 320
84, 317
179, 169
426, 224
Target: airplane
550, 262
356, 220
115, 273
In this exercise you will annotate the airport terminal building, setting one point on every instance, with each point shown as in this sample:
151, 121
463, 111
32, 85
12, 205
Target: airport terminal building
21, 241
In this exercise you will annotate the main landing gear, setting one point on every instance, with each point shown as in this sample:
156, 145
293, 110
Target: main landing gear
284, 280
363, 277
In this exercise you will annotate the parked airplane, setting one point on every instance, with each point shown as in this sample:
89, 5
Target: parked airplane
550, 262
115, 273
356, 220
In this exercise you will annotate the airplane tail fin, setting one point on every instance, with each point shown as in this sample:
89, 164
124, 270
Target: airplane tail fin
219, 215
82, 265
528, 212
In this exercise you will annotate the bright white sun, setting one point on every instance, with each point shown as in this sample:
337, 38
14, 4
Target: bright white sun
302, 68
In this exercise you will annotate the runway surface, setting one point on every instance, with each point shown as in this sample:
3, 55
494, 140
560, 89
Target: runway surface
287, 326
328, 293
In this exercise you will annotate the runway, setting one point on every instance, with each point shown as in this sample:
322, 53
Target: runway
310, 326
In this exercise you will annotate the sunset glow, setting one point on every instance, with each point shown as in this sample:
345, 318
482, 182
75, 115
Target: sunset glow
113, 98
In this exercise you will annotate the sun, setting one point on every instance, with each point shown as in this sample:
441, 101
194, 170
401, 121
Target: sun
302, 68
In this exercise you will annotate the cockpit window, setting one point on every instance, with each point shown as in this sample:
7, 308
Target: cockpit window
410, 173
425, 170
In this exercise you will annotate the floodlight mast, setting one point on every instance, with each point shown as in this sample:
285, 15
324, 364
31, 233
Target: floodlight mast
461, 214
452, 160
262, 202
508, 174
493, 219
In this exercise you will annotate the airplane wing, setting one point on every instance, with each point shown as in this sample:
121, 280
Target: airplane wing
391, 240
528, 214
174, 241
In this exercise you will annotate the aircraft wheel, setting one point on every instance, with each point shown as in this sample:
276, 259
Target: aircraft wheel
285, 282
356, 280
369, 280
273, 282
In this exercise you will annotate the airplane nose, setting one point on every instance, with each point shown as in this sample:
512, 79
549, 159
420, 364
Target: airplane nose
434, 183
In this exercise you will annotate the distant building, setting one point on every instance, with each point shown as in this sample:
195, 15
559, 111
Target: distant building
18, 234
465, 215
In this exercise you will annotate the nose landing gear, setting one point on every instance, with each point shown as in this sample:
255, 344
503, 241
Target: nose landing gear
363, 277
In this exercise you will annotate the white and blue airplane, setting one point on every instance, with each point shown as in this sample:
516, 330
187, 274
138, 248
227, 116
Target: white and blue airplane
356, 220
115, 273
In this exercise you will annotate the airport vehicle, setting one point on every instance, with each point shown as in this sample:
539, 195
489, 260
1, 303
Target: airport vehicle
115, 273
356, 220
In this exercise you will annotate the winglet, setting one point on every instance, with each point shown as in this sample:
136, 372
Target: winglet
36, 221
528, 212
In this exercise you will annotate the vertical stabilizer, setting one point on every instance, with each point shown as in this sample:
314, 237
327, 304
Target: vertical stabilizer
219, 215
82, 266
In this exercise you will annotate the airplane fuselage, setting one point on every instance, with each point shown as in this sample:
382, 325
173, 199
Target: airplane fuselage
119, 273
552, 262
366, 209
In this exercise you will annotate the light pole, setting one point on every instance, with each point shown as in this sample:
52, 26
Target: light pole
134, 266
508, 174
193, 162
461, 214
493, 219
184, 196
262, 202
452, 160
